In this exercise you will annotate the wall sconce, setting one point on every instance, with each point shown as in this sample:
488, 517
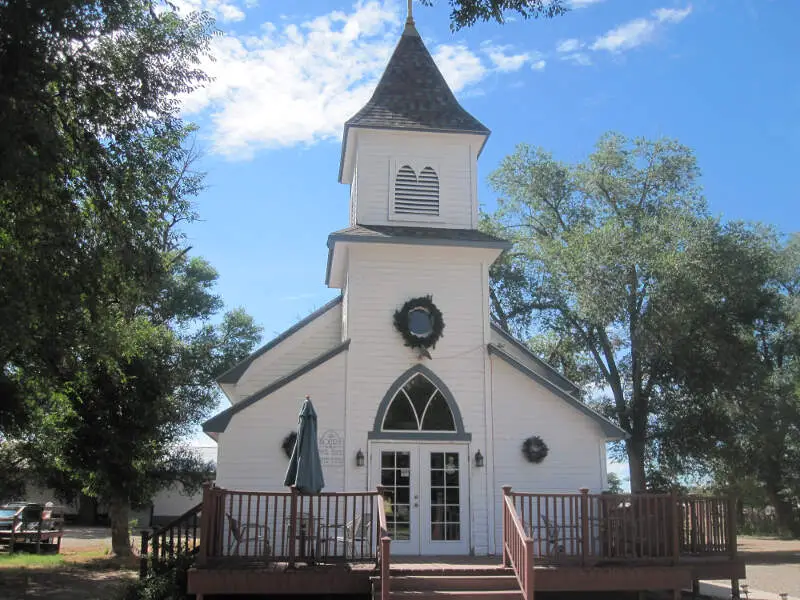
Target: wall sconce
478, 459
359, 458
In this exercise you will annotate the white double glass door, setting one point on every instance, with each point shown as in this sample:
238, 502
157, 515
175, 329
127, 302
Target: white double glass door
427, 488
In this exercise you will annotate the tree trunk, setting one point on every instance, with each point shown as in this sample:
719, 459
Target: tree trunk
635, 451
118, 510
784, 514
87, 510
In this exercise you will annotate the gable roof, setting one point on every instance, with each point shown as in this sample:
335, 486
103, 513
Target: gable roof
611, 430
413, 94
219, 422
524, 354
233, 374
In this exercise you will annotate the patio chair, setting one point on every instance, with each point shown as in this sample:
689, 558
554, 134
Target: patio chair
239, 534
355, 533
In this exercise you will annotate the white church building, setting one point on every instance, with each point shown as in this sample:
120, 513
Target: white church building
415, 387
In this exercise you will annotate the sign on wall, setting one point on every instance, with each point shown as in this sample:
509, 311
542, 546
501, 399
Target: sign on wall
331, 448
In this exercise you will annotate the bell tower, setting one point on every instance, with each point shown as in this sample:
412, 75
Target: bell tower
410, 154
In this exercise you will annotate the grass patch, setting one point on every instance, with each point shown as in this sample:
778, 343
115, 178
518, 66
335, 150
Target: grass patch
31, 561
93, 560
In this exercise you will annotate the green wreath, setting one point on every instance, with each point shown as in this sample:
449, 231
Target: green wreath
288, 444
430, 322
534, 449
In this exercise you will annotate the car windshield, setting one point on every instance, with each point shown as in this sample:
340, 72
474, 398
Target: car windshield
7, 513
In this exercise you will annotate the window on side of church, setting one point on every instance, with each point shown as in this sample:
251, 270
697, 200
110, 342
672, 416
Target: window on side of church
416, 193
419, 406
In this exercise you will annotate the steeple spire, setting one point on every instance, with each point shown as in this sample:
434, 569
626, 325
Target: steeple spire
410, 29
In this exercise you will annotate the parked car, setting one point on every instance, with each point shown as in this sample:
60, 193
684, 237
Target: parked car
31, 523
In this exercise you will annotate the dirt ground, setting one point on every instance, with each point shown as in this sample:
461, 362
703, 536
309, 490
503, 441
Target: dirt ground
772, 565
88, 574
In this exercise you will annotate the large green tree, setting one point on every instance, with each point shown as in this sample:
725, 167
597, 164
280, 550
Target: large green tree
751, 434
619, 255
87, 90
465, 13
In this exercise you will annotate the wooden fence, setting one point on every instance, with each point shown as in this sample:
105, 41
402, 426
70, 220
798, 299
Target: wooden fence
290, 527
592, 528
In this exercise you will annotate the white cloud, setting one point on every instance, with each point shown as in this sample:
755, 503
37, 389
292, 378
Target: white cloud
582, 3
227, 12
578, 58
538, 65
639, 31
672, 15
570, 45
506, 62
459, 65
297, 83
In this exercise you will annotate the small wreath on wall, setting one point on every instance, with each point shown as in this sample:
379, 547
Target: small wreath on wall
534, 449
420, 322
288, 444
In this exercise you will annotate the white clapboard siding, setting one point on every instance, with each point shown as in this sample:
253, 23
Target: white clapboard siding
452, 160
381, 279
576, 443
304, 345
250, 453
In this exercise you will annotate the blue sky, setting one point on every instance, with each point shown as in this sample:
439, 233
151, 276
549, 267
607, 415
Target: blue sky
721, 76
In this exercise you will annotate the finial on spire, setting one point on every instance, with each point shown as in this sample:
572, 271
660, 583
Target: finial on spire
410, 17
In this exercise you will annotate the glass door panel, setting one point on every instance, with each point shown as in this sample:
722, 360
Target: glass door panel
396, 468
445, 474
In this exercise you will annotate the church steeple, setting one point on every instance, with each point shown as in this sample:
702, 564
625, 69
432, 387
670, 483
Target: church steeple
412, 95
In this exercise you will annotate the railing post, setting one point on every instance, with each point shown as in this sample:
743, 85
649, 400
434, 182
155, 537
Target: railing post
205, 523
584, 524
143, 554
381, 491
292, 525
385, 572
529, 569
676, 542
506, 494
731, 527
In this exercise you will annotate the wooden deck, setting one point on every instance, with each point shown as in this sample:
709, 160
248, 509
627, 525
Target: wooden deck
338, 543
257, 577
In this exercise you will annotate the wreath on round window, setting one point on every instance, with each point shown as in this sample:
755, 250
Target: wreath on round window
420, 322
288, 444
534, 449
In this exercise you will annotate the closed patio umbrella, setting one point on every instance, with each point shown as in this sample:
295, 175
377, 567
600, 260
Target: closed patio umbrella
305, 469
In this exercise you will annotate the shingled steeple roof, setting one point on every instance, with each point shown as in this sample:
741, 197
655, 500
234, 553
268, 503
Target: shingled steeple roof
413, 95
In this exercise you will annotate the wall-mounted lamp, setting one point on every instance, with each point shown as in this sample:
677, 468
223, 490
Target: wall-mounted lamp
478, 459
359, 458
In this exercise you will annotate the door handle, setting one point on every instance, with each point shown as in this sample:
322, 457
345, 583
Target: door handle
416, 504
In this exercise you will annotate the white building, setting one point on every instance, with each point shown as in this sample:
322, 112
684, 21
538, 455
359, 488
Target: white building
422, 416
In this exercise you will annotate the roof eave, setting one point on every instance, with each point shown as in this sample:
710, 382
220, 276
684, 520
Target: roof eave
219, 422
233, 374
612, 431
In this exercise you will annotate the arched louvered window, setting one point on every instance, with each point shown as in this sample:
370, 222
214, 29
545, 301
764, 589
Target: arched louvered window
418, 406
416, 194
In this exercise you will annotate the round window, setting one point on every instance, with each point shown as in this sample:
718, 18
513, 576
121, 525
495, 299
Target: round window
420, 323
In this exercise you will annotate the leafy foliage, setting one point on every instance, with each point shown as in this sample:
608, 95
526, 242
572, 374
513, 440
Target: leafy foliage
465, 13
619, 256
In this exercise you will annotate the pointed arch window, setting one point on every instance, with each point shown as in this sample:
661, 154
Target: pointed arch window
418, 406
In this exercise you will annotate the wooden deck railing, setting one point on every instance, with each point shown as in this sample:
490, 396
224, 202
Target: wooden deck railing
517, 546
289, 527
165, 544
385, 548
592, 528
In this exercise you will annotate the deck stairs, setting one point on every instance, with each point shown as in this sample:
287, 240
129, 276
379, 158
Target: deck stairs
410, 583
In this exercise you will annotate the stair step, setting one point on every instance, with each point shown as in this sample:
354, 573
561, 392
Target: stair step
455, 583
456, 595
451, 571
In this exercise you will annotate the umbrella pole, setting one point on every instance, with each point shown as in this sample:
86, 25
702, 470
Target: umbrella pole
292, 529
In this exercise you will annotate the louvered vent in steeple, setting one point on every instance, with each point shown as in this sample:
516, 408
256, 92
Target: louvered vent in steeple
416, 195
